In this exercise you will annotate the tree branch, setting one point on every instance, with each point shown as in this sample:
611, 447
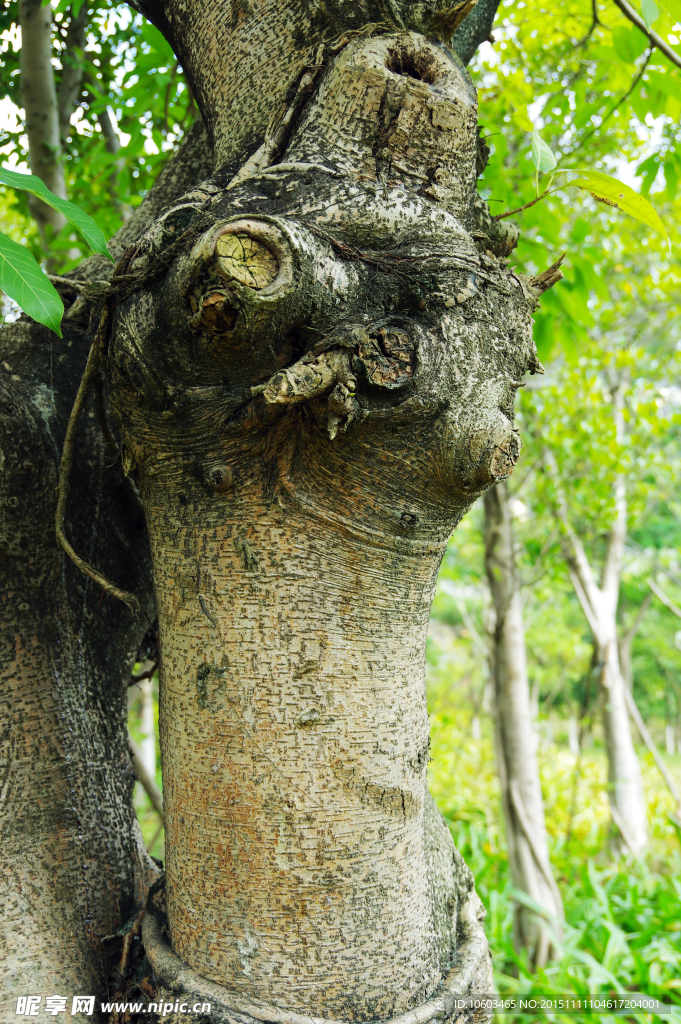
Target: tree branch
580, 569
650, 743
72, 69
663, 598
637, 78
148, 784
654, 39
519, 209
475, 29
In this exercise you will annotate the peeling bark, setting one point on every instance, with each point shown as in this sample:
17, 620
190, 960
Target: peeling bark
522, 801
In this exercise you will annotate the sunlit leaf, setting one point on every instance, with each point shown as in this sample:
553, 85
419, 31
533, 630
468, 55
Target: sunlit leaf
673, 9
542, 156
650, 12
609, 190
81, 220
522, 120
22, 279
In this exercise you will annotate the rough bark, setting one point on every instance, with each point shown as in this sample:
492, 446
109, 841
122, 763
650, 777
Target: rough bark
312, 369
599, 604
271, 45
522, 801
39, 98
475, 29
73, 867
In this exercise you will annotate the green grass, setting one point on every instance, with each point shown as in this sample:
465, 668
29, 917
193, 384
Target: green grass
623, 918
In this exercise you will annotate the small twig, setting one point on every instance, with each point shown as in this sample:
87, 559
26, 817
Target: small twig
653, 37
627, 94
510, 213
69, 282
91, 370
663, 597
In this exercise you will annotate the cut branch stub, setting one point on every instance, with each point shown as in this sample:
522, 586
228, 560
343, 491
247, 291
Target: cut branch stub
251, 280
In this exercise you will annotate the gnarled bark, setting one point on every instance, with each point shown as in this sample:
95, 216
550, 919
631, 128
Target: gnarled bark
312, 370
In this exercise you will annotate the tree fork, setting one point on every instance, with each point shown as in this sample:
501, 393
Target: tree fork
312, 372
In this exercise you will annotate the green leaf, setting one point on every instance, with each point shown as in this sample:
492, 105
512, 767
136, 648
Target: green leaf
81, 220
22, 279
607, 189
542, 156
522, 120
650, 12
673, 9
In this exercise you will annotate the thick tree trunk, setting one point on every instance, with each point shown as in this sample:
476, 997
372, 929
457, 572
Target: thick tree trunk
313, 370
39, 97
74, 871
515, 738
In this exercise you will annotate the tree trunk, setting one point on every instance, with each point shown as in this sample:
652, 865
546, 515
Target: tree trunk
515, 738
74, 871
71, 78
39, 98
312, 369
627, 801
312, 360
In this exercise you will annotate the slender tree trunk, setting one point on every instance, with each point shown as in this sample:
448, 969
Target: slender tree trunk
39, 97
71, 78
515, 737
627, 801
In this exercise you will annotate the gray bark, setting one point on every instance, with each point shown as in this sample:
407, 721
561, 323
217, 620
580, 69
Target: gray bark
39, 98
476, 29
522, 802
73, 869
